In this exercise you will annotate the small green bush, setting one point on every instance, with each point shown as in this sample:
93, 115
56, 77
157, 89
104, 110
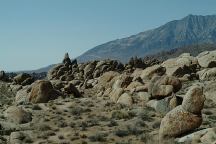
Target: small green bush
99, 137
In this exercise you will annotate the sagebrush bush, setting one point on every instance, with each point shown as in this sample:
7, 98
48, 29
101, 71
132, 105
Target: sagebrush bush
6, 94
98, 137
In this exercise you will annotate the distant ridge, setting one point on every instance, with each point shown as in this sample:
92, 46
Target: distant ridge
44, 69
190, 30
194, 50
192, 34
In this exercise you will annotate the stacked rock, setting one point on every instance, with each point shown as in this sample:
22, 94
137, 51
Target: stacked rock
23, 79
185, 117
163, 86
72, 71
3, 76
63, 71
42, 91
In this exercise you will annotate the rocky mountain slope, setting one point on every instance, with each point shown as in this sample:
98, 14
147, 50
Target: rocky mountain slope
108, 102
178, 33
192, 49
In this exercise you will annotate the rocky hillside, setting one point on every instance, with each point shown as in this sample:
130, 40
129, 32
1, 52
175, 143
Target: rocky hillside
187, 31
192, 49
108, 102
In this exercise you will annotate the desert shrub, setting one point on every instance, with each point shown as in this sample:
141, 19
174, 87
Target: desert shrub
207, 123
65, 110
59, 103
144, 138
76, 111
49, 133
93, 122
212, 117
98, 137
145, 115
156, 124
44, 127
74, 138
3, 140
120, 115
28, 140
207, 112
6, 132
42, 136
112, 123
54, 107
72, 124
123, 143
62, 124
64, 142
209, 104
134, 130
6, 94
121, 133
103, 118
36, 107
140, 123
84, 142
132, 114
61, 137
148, 139
83, 126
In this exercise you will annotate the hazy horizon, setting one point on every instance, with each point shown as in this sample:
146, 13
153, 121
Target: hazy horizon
35, 34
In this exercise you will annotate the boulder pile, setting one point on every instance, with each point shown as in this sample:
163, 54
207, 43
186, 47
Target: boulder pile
144, 101
42, 91
23, 79
80, 73
185, 117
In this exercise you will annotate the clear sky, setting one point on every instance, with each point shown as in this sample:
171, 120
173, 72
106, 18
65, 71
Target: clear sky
36, 33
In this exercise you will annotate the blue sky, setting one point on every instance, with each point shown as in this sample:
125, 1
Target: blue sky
36, 33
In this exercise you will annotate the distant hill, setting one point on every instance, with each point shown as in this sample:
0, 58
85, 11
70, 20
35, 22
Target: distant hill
194, 50
192, 34
178, 33
41, 70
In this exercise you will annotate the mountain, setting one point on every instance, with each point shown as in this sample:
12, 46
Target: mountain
190, 30
194, 50
41, 70
192, 34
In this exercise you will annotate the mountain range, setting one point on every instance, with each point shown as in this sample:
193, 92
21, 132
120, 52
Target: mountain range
175, 37
192, 29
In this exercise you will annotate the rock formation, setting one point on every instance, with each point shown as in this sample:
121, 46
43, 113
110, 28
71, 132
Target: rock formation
163, 86
68, 71
3, 76
207, 59
108, 102
67, 60
184, 64
207, 74
23, 79
42, 91
185, 117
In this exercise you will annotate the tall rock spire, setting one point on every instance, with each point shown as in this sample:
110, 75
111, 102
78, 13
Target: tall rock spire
66, 59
